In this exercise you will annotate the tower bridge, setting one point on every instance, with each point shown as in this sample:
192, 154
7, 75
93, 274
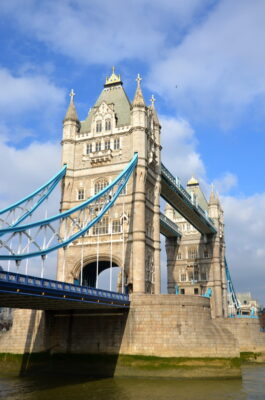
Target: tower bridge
112, 181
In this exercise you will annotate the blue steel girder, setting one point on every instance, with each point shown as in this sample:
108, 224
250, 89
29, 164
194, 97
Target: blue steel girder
42, 237
29, 292
18, 212
174, 194
168, 228
230, 286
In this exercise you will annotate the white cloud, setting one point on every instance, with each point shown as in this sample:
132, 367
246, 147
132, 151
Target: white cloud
226, 182
245, 232
24, 170
219, 65
28, 93
105, 32
179, 149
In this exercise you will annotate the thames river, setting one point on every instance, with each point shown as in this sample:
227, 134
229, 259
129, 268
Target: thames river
251, 387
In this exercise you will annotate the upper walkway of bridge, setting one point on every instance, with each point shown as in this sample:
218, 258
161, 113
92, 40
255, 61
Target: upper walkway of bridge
175, 194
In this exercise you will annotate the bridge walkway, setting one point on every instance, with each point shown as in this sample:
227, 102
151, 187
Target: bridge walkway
175, 194
29, 292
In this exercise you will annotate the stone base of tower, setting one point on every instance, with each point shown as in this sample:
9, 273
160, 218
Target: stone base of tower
169, 327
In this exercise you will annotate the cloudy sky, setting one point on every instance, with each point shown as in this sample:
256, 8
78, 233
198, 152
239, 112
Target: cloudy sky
204, 60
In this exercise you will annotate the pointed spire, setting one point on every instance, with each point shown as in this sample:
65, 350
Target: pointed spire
213, 200
138, 97
156, 120
71, 113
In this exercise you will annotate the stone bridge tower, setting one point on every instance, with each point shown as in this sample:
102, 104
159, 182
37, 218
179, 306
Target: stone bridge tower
196, 262
96, 150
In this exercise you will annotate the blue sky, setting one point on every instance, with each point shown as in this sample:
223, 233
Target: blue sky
204, 61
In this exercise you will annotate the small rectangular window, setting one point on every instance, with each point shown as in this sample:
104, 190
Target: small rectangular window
116, 226
98, 146
196, 291
203, 276
183, 277
89, 148
107, 145
102, 227
182, 291
81, 194
116, 144
179, 256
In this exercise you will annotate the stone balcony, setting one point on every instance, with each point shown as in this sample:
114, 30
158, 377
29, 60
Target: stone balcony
99, 157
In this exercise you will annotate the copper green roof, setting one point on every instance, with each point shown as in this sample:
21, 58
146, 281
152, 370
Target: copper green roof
111, 94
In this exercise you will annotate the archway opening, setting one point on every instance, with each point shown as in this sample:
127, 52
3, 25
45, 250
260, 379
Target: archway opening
105, 276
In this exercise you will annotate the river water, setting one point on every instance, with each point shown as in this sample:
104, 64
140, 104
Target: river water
251, 387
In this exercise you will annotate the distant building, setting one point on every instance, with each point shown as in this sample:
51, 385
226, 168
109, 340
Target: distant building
248, 305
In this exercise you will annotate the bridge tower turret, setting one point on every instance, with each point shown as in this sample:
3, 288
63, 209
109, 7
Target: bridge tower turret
71, 126
96, 150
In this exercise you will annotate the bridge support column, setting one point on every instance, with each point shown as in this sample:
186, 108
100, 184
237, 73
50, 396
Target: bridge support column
217, 276
157, 269
171, 249
139, 231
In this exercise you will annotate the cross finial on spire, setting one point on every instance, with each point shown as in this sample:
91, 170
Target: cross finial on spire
153, 100
138, 79
72, 95
113, 69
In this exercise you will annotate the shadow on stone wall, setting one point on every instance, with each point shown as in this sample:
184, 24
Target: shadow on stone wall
80, 343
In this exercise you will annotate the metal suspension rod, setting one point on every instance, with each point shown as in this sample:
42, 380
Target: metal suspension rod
43, 258
111, 227
97, 257
82, 262
123, 246
64, 262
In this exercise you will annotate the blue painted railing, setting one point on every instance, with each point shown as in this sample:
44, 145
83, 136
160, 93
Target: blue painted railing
243, 316
19, 281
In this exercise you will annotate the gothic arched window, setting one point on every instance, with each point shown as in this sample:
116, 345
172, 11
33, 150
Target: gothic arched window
100, 184
107, 125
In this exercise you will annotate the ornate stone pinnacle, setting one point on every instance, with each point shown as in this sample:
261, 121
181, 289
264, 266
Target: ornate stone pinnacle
153, 100
138, 79
72, 95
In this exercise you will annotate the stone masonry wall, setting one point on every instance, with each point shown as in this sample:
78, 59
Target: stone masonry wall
175, 326
27, 333
156, 325
247, 333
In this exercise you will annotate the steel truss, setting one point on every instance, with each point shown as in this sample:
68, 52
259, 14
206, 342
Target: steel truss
13, 215
39, 238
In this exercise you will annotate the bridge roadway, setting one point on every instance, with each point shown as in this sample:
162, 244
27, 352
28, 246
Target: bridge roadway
29, 292
175, 194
